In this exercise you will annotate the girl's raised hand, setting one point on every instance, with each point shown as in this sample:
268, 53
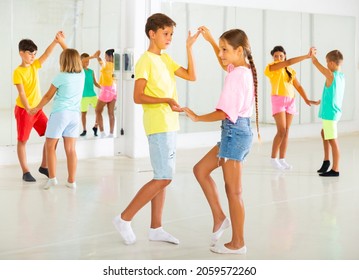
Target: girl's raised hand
312, 52
205, 33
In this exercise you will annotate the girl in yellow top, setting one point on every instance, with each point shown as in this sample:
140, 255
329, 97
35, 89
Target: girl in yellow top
108, 94
283, 81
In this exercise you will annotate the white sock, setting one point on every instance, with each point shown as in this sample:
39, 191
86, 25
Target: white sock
285, 164
125, 230
51, 183
158, 234
216, 235
276, 164
224, 250
71, 185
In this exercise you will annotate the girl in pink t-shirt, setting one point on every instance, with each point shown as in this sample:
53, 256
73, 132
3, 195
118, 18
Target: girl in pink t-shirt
234, 109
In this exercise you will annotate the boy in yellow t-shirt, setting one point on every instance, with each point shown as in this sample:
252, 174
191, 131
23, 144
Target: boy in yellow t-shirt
155, 89
26, 80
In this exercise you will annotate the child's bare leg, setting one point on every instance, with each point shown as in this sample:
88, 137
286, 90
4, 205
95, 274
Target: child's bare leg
202, 171
336, 154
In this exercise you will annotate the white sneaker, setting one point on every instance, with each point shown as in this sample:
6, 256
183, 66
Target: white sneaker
51, 183
285, 164
102, 134
276, 164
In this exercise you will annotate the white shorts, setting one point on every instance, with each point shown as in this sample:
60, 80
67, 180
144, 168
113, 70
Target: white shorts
63, 124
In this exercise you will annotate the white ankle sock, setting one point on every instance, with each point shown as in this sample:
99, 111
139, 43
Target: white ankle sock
51, 183
285, 164
224, 250
125, 230
158, 234
71, 185
216, 235
276, 164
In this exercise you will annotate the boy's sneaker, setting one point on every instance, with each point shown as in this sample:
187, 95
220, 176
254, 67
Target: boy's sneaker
27, 177
83, 133
95, 130
44, 171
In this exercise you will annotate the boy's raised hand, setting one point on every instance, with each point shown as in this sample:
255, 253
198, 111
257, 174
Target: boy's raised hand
192, 39
60, 38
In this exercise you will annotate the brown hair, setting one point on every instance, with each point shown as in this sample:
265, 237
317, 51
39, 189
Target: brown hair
84, 55
70, 61
281, 49
335, 56
238, 38
157, 21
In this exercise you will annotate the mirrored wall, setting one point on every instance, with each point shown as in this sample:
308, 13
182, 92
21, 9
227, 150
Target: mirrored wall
89, 25
295, 31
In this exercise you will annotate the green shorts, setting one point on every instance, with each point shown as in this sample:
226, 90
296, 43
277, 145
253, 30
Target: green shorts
330, 129
87, 101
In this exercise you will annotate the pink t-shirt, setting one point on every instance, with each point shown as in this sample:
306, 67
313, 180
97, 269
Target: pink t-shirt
237, 96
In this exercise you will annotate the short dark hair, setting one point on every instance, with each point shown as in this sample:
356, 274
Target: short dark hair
157, 21
84, 55
27, 45
335, 56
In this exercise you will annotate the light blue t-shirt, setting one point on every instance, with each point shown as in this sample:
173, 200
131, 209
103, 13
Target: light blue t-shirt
332, 98
69, 91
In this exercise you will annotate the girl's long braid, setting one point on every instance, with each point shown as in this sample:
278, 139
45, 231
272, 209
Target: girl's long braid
255, 81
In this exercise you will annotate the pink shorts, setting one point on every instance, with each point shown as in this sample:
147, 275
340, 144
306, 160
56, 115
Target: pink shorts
108, 93
283, 104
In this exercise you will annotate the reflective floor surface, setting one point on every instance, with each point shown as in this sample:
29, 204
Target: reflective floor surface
289, 215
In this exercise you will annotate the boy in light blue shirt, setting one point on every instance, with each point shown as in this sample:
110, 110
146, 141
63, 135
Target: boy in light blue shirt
330, 109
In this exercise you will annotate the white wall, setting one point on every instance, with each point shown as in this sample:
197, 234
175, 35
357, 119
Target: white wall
133, 143
344, 8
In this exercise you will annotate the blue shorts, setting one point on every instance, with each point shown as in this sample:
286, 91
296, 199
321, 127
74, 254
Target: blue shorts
163, 154
63, 124
236, 139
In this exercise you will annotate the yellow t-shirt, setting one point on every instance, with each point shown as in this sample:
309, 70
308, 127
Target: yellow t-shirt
158, 71
279, 81
106, 77
28, 77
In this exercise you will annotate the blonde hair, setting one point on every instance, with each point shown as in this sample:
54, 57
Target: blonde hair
70, 61
238, 38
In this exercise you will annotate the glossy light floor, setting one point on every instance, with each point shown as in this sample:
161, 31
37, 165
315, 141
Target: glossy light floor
289, 215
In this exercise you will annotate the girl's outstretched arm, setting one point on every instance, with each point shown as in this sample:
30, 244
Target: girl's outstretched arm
217, 115
209, 38
303, 94
291, 61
